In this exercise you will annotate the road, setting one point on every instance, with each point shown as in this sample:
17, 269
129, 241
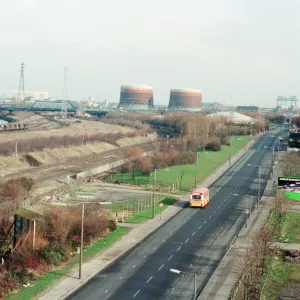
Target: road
194, 241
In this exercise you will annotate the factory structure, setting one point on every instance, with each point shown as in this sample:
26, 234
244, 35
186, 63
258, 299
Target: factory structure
136, 97
185, 100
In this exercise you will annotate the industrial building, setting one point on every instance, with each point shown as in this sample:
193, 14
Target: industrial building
185, 100
136, 97
37, 95
251, 109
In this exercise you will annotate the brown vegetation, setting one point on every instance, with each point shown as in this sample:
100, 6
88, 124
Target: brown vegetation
296, 121
51, 142
259, 257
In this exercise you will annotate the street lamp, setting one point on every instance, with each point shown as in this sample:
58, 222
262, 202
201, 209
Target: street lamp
179, 272
196, 173
153, 200
259, 177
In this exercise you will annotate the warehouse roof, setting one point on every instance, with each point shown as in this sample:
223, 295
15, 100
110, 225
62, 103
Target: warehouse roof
233, 116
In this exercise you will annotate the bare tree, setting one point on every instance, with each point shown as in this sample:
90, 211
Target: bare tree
134, 154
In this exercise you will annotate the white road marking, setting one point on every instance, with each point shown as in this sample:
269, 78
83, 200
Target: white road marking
170, 257
154, 248
210, 216
193, 233
172, 288
145, 256
179, 248
183, 275
205, 222
136, 293
106, 291
149, 279
191, 265
186, 241
160, 267
199, 227
121, 277
219, 206
214, 211
133, 267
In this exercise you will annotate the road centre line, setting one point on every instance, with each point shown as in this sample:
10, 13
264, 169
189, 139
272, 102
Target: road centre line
199, 227
179, 248
121, 277
160, 267
193, 233
205, 222
106, 291
136, 293
186, 241
170, 257
149, 279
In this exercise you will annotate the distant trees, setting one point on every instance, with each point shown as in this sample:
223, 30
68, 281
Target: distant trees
296, 121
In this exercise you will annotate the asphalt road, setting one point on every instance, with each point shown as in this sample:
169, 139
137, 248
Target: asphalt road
194, 241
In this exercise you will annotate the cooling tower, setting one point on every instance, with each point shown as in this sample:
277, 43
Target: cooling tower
136, 97
185, 99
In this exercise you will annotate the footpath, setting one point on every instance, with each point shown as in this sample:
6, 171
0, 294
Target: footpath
68, 284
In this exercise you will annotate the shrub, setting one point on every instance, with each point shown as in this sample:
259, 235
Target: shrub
7, 285
23, 276
52, 254
96, 224
59, 223
214, 144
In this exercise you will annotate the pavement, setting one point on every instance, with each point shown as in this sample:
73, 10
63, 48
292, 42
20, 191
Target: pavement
191, 240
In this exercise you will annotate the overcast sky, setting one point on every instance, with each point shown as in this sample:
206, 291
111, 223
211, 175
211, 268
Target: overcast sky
247, 51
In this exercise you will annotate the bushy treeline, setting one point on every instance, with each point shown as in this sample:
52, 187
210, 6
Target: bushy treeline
51, 142
56, 240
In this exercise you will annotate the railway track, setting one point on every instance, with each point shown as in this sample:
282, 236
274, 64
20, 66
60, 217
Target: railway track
73, 166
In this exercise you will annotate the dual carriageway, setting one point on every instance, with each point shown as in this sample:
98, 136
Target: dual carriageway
193, 241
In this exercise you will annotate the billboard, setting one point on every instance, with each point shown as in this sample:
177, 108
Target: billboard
290, 186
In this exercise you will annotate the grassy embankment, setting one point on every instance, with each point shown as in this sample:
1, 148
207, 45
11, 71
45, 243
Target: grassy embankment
208, 162
46, 280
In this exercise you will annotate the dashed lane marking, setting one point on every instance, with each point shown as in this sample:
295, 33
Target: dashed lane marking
149, 279
136, 293
186, 241
170, 257
133, 267
121, 277
106, 291
199, 227
160, 267
193, 233
179, 248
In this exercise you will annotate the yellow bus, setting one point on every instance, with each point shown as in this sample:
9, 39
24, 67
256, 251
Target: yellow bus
199, 197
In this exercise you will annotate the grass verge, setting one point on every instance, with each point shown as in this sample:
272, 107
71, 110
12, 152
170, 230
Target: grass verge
46, 280
291, 228
208, 162
147, 214
277, 278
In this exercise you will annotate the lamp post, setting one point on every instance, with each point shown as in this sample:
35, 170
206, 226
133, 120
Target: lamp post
259, 177
196, 173
154, 195
179, 272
